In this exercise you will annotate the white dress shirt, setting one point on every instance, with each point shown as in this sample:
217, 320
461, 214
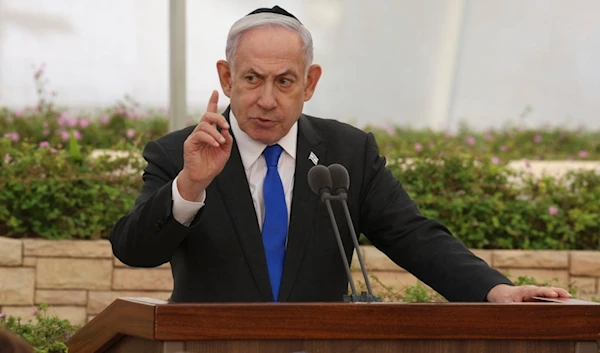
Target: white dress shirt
255, 167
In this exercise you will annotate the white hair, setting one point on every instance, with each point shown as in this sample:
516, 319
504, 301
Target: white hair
263, 20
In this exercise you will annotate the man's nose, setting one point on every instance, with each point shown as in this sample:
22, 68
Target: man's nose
267, 100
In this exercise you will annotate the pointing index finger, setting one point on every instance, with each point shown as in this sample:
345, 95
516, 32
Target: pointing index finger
213, 102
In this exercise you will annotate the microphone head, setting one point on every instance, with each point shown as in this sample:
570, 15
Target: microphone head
319, 179
339, 177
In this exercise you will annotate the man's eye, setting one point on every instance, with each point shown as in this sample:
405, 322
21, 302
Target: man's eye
251, 78
285, 82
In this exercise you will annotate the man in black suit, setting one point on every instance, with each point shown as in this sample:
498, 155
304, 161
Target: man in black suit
227, 202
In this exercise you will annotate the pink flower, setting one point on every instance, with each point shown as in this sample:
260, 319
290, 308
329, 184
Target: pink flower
18, 113
73, 122
3, 315
537, 138
83, 123
63, 119
130, 133
77, 135
527, 164
552, 210
121, 111
418, 147
470, 140
495, 160
13, 136
53, 150
133, 115
583, 154
44, 144
46, 132
503, 148
35, 311
488, 136
105, 119
64, 135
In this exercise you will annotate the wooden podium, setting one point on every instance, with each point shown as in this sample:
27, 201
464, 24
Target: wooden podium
144, 325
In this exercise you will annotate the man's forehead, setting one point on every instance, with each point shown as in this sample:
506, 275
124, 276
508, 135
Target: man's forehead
270, 43
272, 33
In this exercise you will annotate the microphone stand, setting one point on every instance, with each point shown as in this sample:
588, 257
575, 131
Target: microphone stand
366, 297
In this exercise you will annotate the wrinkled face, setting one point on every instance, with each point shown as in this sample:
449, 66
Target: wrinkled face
269, 86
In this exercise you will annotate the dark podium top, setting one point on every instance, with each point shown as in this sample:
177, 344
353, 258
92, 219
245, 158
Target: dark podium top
150, 325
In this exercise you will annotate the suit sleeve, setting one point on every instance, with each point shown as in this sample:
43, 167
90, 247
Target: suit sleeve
149, 234
392, 222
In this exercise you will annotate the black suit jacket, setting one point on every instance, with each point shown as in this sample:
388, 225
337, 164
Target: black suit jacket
220, 256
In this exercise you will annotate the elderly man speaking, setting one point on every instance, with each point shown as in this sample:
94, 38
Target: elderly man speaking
228, 204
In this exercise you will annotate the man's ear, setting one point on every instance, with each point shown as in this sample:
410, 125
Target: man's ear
314, 73
224, 71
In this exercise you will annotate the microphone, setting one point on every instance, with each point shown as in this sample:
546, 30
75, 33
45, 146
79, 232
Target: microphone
340, 178
319, 180
340, 185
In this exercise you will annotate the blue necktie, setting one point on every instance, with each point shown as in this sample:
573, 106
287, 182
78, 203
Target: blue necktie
275, 226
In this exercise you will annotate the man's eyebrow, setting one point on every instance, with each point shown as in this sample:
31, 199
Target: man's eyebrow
288, 72
255, 73
261, 76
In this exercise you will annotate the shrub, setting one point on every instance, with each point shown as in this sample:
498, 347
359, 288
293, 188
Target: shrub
507, 144
64, 193
47, 333
489, 205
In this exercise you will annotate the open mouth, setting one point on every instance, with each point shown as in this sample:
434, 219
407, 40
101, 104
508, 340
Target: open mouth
264, 122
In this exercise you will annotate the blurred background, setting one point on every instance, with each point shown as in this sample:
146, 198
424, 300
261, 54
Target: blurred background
430, 63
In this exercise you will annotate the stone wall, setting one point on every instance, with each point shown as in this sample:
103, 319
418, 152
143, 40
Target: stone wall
80, 278
581, 269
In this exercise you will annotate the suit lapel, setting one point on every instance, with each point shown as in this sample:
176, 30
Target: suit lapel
233, 186
304, 203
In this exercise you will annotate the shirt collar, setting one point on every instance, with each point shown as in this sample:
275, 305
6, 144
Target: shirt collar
251, 150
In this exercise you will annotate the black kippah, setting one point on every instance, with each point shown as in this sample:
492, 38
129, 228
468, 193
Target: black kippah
275, 9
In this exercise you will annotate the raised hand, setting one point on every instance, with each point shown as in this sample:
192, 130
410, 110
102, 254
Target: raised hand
205, 152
